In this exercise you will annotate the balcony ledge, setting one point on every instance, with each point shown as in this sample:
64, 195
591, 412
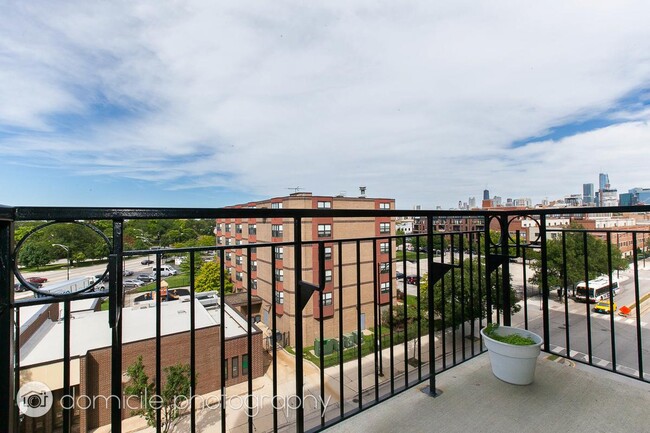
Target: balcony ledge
564, 397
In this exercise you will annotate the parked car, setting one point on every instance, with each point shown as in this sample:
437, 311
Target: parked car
412, 279
103, 278
132, 284
603, 307
399, 275
18, 287
145, 278
146, 262
127, 273
165, 271
37, 279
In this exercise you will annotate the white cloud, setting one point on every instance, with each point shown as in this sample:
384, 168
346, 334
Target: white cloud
420, 102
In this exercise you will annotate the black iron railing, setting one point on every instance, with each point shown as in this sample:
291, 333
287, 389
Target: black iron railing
374, 335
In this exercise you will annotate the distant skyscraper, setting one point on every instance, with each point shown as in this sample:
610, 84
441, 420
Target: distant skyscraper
486, 194
603, 181
588, 193
472, 202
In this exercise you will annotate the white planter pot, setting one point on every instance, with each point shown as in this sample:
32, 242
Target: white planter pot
511, 363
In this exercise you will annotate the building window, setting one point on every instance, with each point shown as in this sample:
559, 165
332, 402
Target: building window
384, 267
279, 275
217, 228
226, 369
254, 250
219, 240
254, 284
239, 276
324, 205
238, 260
252, 229
384, 247
384, 227
227, 241
228, 256
277, 205
328, 253
244, 365
384, 205
226, 228
279, 298
254, 265
276, 230
279, 253
324, 230
327, 299
238, 228
235, 366
385, 287
328, 275
238, 242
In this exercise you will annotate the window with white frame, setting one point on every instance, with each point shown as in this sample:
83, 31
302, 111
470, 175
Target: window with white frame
228, 241
384, 205
279, 253
279, 275
384, 247
254, 265
277, 205
228, 256
327, 299
385, 287
238, 242
238, 260
219, 240
279, 298
276, 230
254, 284
384, 227
384, 267
328, 275
239, 276
328, 253
324, 230
252, 229
238, 228
226, 227
324, 205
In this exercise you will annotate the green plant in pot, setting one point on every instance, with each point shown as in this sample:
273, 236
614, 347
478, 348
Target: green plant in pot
513, 352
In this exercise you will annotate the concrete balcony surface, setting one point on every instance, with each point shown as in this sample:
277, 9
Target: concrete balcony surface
565, 397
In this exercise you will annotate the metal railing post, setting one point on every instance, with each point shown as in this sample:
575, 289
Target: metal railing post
115, 314
297, 238
545, 312
8, 419
505, 274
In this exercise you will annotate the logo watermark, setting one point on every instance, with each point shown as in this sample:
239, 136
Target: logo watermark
34, 399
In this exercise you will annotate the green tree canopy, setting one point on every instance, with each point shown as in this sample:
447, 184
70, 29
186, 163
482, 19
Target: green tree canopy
455, 302
575, 260
209, 278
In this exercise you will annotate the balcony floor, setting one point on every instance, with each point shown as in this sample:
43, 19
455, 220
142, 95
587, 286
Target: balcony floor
564, 397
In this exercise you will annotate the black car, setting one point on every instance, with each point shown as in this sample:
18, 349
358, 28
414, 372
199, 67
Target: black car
146, 262
399, 275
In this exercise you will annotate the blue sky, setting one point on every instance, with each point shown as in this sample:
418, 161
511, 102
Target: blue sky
207, 104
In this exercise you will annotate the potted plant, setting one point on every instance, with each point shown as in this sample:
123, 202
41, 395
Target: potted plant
513, 352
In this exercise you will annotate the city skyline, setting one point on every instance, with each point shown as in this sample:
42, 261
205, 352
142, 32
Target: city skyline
204, 105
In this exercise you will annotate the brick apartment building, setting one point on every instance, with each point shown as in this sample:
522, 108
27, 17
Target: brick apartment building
250, 231
90, 362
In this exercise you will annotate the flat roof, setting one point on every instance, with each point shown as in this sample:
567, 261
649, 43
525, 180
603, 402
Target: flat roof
89, 330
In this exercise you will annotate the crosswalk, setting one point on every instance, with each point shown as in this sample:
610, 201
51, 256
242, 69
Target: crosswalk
597, 362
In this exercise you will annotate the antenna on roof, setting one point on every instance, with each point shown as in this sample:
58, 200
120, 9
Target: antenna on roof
295, 189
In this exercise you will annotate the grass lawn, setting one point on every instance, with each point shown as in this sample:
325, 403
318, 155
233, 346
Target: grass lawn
410, 256
182, 280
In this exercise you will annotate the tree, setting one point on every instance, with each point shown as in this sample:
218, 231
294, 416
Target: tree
175, 390
209, 278
35, 255
456, 303
575, 261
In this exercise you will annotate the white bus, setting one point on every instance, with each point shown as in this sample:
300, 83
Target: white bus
598, 289
69, 286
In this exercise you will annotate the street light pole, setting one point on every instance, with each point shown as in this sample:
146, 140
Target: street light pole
67, 250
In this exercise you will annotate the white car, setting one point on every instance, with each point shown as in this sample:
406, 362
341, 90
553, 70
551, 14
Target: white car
129, 284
